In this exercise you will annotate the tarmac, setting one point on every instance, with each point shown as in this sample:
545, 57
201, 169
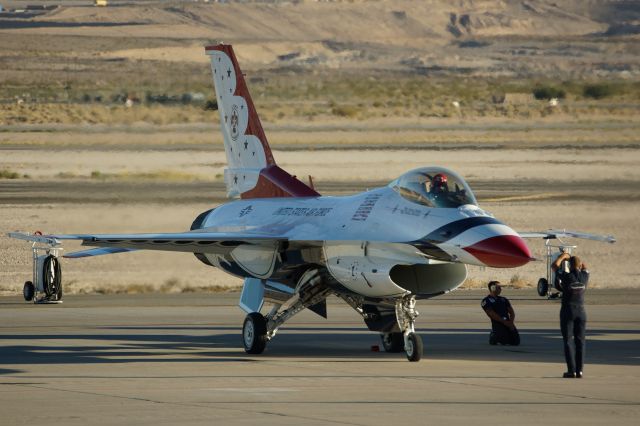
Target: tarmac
178, 359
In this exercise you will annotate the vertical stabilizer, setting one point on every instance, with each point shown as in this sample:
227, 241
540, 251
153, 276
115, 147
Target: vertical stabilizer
252, 172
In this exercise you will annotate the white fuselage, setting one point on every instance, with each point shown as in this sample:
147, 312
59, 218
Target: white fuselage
379, 215
362, 236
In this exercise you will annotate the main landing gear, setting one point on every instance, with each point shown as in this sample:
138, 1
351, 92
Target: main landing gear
394, 318
254, 333
392, 342
258, 329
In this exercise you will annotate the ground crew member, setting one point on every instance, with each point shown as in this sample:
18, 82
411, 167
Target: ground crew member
498, 308
573, 318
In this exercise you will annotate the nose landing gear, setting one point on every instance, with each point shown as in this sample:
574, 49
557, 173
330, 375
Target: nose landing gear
407, 314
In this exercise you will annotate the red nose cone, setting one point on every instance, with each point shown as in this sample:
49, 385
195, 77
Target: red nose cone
504, 251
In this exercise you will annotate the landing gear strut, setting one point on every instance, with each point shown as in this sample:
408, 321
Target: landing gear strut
407, 314
258, 329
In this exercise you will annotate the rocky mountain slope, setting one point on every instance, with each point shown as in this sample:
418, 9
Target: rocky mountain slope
489, 37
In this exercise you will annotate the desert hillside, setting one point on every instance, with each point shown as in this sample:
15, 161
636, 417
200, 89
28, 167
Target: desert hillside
415, 56
472, 36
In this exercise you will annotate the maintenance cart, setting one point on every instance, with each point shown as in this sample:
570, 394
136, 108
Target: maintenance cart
46, 283
546, 285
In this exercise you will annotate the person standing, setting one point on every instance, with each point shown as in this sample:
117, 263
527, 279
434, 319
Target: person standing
573, 317
502, 315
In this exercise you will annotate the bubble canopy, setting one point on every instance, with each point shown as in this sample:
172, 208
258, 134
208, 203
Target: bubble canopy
436, 187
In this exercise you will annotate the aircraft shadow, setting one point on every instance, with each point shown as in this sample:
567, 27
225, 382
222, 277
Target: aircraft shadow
179, 344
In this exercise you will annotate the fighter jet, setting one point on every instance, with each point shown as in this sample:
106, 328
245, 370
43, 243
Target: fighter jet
379, 250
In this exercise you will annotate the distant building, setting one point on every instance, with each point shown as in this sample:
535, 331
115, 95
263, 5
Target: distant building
103, 3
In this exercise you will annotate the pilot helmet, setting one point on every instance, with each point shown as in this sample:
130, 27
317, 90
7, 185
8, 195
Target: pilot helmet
439, 182
440, 178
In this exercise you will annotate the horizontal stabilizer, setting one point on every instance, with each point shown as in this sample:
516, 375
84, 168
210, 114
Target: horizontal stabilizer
276, 182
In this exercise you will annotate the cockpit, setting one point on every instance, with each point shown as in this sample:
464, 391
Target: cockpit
434, 187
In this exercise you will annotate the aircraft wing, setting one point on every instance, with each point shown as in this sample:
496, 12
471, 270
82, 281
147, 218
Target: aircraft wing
97, 252
190, 242
552, 234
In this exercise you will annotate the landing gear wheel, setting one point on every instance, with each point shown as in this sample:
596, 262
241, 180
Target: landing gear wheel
414, 347
543, 287
392, 342
28, 291
254, 333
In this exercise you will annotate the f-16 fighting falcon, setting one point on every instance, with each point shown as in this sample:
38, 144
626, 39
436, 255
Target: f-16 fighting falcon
379, 250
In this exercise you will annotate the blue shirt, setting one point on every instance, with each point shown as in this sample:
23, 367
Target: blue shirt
573, 284
500, 305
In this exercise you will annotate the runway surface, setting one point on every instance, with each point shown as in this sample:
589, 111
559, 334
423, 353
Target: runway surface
177, 359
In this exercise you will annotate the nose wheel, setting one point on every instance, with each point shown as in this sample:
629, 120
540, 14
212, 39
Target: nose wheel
413, 347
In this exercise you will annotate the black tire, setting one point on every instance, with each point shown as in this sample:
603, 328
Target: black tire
28, 291
52, 278
414, 348
254, 333
493, 339
392, 342
543, 287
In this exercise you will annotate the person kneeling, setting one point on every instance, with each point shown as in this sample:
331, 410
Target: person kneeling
502, 316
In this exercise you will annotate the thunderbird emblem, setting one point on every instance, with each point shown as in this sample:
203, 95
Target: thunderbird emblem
234, 123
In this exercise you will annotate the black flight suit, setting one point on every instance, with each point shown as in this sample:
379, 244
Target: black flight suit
501, 333
573, 317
